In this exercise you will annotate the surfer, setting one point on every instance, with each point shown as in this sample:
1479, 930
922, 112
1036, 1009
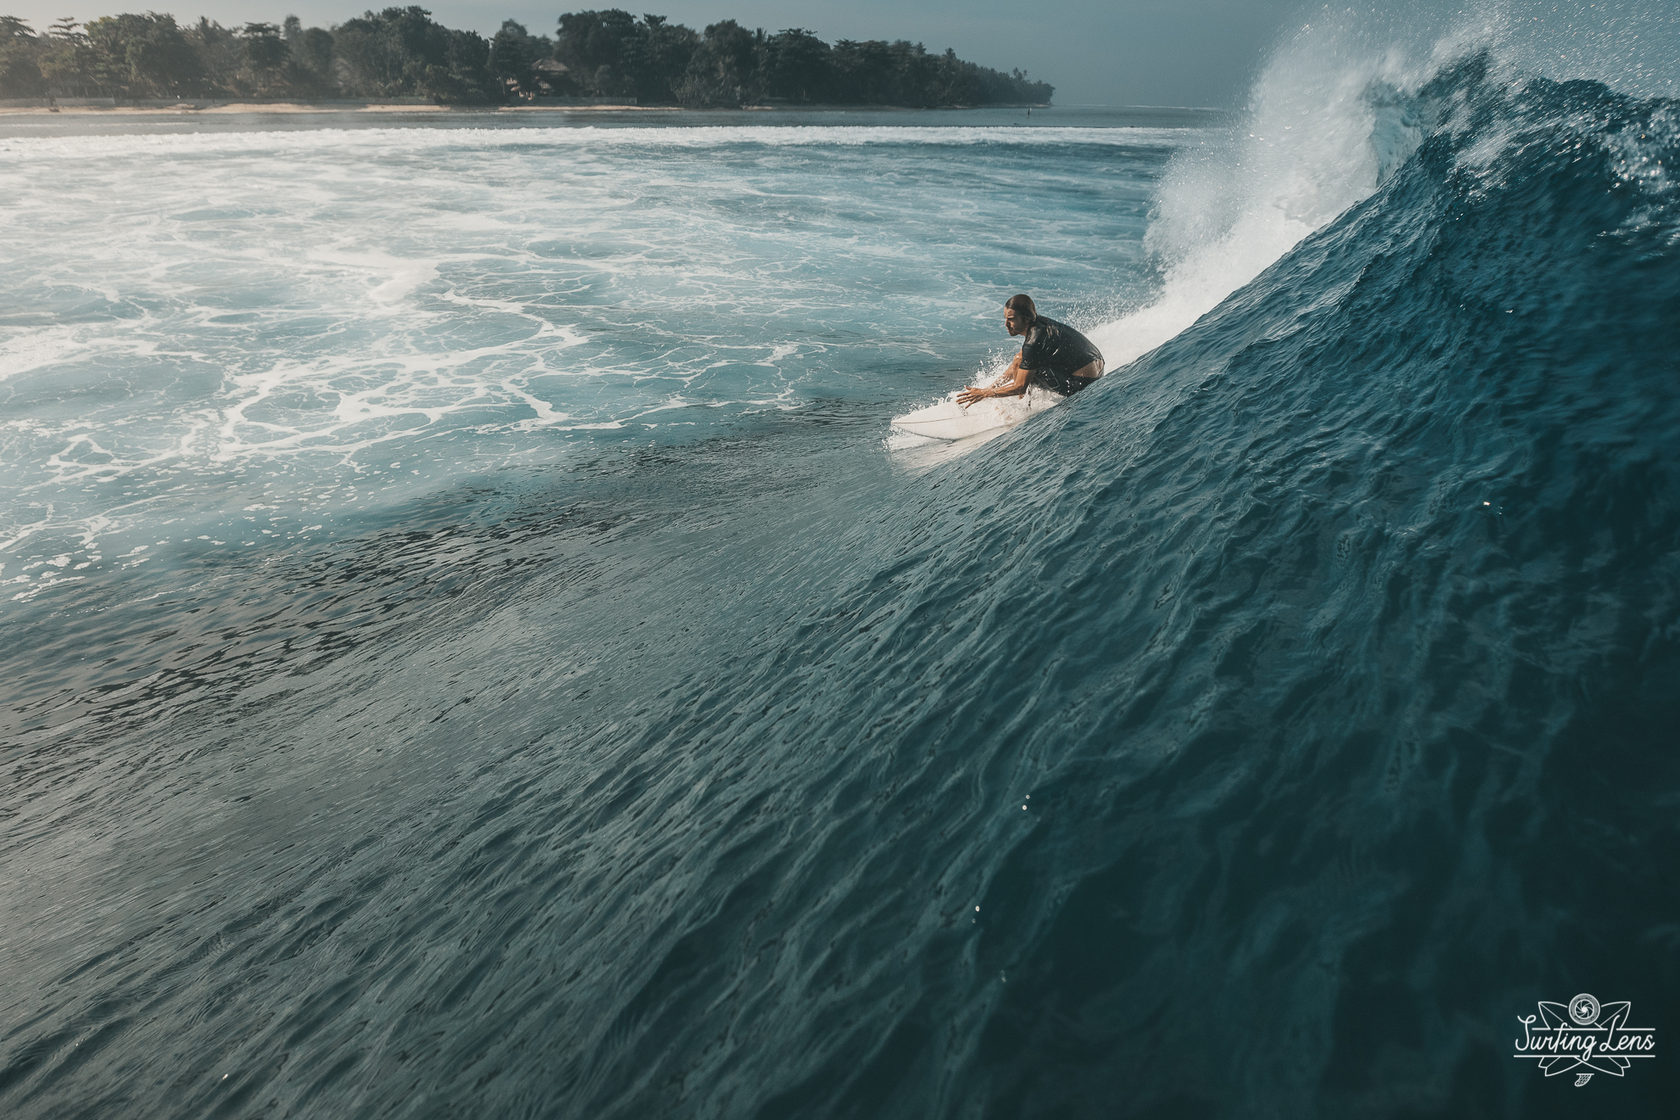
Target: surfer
1053, 355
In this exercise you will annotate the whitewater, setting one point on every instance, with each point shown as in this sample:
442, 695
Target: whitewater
475, 646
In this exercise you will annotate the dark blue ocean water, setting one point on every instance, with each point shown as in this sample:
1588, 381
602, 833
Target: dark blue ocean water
477, 651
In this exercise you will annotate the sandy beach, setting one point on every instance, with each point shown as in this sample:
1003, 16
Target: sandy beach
235, 107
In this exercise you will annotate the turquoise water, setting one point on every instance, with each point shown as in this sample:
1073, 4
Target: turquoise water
475, 647
302, 326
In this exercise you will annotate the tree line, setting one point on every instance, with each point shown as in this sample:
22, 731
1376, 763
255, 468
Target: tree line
402, 52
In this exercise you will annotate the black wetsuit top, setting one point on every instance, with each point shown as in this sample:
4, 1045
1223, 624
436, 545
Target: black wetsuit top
1051, 354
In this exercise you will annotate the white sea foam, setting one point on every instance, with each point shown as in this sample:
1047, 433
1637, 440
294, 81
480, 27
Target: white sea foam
228, 336
384, 142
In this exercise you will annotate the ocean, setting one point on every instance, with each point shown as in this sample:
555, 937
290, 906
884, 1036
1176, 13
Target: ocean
474, 645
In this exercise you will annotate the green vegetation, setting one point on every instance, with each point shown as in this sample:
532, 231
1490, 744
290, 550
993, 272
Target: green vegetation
401, 52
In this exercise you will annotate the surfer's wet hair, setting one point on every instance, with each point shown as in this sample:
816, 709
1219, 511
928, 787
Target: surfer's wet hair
1022, 305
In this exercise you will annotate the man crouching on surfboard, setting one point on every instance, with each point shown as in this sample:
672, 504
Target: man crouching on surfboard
1054, 355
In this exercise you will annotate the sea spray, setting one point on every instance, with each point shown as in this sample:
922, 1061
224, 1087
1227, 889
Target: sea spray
1325, 123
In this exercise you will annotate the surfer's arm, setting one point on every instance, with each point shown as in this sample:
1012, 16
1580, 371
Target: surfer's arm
1016, 383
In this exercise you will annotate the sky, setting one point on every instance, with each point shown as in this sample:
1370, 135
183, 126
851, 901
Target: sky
1095, 52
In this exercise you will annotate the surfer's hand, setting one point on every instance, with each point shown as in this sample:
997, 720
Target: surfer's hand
969, 395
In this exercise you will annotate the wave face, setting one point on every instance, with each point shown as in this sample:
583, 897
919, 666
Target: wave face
1261, 733
1342, 644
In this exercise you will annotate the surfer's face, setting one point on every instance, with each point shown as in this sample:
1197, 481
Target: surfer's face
1013, 322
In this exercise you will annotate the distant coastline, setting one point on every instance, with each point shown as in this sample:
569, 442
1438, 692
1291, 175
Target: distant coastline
201, 107
399, 55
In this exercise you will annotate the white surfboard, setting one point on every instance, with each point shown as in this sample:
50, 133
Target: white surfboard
948, 420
